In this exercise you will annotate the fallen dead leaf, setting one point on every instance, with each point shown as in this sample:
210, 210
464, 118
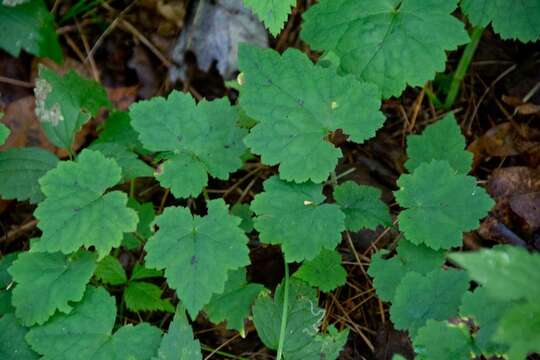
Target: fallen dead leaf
505, 139
527, 108
527, 206
26, 129
513, 180
516, 190
213, 34
122, 97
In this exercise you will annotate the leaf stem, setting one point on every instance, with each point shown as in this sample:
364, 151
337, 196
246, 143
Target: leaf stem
132, 189
333, 179
284, 314
463, 66
71, 154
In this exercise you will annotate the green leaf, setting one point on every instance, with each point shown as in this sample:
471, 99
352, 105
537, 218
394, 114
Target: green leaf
441, 141
29, 26
272, 13
178, 343
117, 129
388, 273
511, 19
244, 212
5, 263
131, 166
5, 302
324, 271
333, 343
297, 105
519, 328
452, 202
20, 170
506, 272
203, 137
86, 333
143, 296
140, 272
435, 296
110, 271
47, 282
65, 104
76, 213
322, 346
486, 313
304, 317
146, 216
4, 132
391, 43
197, 252
234, 303
439, 340
12, 344
295, 216
362, 206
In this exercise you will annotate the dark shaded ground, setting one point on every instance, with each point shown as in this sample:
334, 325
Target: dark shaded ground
498, 109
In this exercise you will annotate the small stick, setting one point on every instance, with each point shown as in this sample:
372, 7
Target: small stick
128, 27
16, 82
15, 233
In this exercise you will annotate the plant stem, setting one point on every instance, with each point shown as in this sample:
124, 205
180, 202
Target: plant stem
284, 314
71, 154
432, 97
333, 179
463, 66
132, 189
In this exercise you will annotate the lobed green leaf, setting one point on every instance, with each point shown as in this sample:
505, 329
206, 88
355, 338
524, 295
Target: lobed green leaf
388, 273
438, 340
110, 271
294, 216
506, 272
76, 212
86, 333
272, 13
362, 206
324, 271
12, 343
20, 170
518, 20
29, 26
178, 342
440, 141
197, 252
233, 305
440, 205
143, 296
391, 43
419, 298
297, 105
203, 139
48, 282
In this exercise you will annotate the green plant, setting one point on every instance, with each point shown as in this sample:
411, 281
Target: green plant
28, 25
56, 299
